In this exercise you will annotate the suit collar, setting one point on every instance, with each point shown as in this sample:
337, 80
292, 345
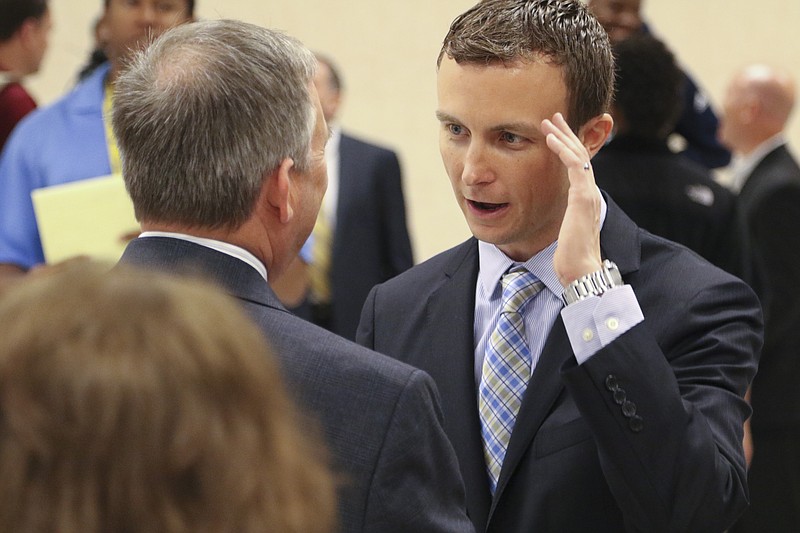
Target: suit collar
179, 256
619, 239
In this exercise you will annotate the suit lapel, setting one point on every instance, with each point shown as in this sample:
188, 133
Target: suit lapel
450, 319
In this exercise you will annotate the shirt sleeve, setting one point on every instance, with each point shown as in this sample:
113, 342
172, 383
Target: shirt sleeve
596, 322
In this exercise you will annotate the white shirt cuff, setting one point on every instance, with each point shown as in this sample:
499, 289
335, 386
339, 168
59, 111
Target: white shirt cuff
593, 323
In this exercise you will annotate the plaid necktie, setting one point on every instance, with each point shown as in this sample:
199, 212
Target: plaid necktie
506, 370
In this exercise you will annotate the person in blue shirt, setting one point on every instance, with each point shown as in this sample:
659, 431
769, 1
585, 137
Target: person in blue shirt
71, 139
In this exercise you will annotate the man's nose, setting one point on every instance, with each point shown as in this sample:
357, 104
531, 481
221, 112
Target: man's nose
477, 165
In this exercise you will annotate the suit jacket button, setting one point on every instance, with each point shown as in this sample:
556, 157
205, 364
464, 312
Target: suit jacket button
636, 423
619, 396
611, 382
628, 409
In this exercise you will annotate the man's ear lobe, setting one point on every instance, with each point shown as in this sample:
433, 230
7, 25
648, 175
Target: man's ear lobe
277, 189
595, 132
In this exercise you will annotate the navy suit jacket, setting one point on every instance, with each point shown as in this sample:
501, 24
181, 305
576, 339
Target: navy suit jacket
371, 242
644, 436
770, 203
381, 418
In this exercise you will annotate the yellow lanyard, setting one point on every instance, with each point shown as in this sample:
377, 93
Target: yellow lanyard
113, 151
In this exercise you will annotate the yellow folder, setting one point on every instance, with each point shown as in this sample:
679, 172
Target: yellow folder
92, 217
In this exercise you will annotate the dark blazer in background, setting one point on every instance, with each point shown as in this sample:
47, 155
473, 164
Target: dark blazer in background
576, 462
674, 197
770, 204
381, 418
371, 242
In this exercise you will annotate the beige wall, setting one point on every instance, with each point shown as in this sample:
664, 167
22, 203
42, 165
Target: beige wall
386, 50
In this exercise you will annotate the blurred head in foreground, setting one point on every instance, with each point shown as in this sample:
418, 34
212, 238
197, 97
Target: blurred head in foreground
138, 402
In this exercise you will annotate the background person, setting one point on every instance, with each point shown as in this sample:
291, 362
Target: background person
697, 123
139, 402
72, 139
24, 29
758, 103
664, 192
361, 238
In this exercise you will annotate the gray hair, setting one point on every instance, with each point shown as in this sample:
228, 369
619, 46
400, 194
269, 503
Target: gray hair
204, 113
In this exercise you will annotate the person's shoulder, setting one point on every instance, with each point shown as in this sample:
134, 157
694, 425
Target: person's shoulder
445, 263
14, 94
313, 352
367, 146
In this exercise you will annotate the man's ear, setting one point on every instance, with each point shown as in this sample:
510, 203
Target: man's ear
595, 132
27, 31
277, 191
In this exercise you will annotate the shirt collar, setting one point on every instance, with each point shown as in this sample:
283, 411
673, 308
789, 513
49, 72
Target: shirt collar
220, 246
494, 263
744, 165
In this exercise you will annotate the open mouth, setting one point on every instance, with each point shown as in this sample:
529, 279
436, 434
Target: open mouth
486, 207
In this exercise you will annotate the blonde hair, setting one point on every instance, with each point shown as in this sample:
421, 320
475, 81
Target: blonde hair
135, 402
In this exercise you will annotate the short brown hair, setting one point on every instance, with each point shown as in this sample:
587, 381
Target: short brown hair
563, 31
141, 403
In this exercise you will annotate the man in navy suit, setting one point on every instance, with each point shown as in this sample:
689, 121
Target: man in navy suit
223, 144
364, 215
758, 104
619, 411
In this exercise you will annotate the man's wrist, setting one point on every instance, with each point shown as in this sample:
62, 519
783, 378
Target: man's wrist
593, 284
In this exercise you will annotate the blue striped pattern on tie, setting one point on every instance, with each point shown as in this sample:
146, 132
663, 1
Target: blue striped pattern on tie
506, 370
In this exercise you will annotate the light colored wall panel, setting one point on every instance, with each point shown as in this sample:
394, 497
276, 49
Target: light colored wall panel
387, 53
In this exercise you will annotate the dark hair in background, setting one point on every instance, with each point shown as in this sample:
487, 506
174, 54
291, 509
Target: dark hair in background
15, 12
649, 87
190, 5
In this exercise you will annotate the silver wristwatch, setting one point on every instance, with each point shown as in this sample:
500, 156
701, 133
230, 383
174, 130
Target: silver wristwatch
593, 284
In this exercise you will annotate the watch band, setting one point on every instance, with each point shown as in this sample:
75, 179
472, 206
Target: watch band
593, 284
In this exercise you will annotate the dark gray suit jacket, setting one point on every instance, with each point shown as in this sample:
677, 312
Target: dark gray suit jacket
645, 436
381, 418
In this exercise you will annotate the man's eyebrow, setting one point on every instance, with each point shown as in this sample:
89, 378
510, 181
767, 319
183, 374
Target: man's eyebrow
444, 117
517, 126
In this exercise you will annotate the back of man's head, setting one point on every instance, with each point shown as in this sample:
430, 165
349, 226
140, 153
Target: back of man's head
563, 32
649, 87
205, 113
16, 12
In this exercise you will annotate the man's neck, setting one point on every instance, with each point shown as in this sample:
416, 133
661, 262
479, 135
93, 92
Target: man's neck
238, 237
